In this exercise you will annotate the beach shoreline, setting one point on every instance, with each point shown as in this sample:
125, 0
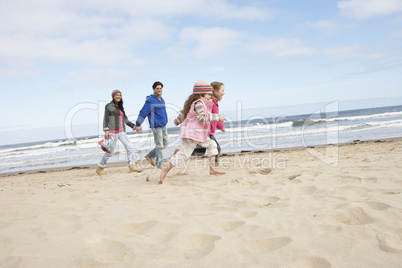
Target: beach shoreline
145, 164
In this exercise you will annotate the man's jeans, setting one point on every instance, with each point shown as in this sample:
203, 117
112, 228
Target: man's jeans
122, 136
161, 142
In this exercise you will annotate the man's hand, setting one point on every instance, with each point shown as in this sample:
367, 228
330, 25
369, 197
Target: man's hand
138, 129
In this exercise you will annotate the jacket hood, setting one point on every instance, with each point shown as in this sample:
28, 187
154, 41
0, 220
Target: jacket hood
152, 96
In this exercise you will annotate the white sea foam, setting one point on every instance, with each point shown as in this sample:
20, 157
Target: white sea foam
357, 117
257, 135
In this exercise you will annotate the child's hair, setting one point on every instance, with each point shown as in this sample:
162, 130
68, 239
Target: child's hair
216, 86
187, 105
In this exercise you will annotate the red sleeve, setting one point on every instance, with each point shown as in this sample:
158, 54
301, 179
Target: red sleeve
215, 109
220, 125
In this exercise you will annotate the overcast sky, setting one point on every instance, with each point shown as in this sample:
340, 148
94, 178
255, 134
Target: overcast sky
58, 56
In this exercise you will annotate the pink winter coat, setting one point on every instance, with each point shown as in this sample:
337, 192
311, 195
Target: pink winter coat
192, 128
217, 124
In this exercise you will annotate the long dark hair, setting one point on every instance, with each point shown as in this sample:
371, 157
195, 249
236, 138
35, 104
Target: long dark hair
187, 105
120, 105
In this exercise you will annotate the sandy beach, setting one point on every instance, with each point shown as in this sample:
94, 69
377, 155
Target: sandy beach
281, 208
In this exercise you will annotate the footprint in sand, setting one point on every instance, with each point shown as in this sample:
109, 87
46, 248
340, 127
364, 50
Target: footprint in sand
244, 181
105, 246
307, 190
378, 205
269, 201
312, 262
91, 217
192, 247
354, 216
262, 171
268, 245
294, 176
199, 253
391, 193
137, 228
160, 238
382, 242
196, 241
228, 226
350, 179
328, 228
248, 214
152, 177
371, 180
80, 207
64, 230
84, 262
33, 233
109, 250
162, 233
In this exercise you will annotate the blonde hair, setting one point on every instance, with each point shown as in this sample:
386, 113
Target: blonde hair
216, 86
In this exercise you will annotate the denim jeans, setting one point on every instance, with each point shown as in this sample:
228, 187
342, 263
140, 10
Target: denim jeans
122, 136
161, 142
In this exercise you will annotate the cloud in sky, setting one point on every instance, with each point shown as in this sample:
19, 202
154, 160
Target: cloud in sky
331, 26
108, 33
347, 53
281, 47
366, 9
76, 51
211, 42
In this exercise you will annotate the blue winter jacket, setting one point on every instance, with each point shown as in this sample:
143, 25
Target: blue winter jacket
155, 110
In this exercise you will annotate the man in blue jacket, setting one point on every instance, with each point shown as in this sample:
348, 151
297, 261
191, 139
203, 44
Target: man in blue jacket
155, 109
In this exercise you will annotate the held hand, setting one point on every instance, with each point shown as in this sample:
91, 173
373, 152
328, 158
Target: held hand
106, 135
138, 129
222, 118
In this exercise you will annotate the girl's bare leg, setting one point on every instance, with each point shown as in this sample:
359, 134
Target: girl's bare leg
164, 172
175, 152
166, 169
212, 167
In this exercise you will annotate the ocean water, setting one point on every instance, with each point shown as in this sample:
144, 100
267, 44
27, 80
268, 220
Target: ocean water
306, 130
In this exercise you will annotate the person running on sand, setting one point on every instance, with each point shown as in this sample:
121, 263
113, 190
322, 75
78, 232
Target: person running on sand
219, 90
155, 109
114, 123
196, 117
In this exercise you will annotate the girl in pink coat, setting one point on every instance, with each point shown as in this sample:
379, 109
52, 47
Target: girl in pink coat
196, 117
219, 90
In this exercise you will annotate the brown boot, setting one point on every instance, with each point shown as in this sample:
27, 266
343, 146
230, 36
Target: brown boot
133, 168
150, 160
100, 170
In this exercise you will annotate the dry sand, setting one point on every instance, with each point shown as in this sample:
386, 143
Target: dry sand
272, 209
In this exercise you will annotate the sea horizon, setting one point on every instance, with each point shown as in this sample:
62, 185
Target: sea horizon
86, 130
252, 134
